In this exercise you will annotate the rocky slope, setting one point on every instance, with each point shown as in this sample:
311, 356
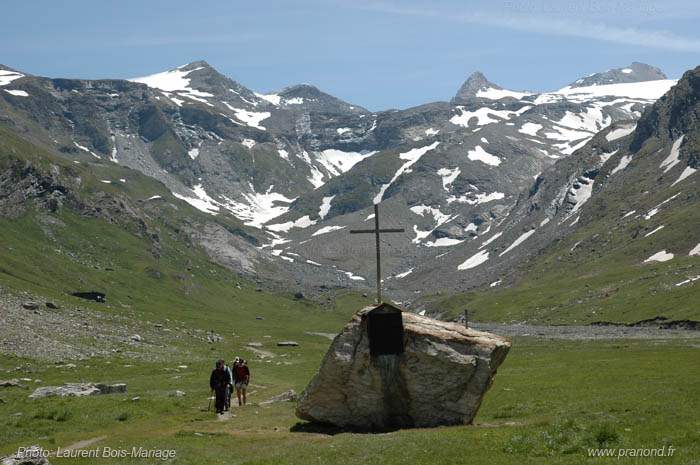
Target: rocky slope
620, 215
299, 167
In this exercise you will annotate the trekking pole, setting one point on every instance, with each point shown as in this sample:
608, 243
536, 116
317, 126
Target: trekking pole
209, 401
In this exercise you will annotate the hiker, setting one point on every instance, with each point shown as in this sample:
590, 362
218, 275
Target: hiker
218, 381
242, 374
229, 388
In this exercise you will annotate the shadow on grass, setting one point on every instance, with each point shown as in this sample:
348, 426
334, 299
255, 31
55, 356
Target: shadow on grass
332, 430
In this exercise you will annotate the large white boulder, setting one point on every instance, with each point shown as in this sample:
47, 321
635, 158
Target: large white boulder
440, 377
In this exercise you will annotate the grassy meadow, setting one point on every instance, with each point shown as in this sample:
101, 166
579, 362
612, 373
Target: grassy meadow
551, 401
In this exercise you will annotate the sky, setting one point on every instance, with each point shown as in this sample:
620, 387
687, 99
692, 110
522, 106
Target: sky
376, 54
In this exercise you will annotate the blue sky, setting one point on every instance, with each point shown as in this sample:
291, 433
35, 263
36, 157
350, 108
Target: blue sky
377, 54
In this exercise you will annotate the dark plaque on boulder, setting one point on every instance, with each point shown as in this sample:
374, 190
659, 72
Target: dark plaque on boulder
385, 328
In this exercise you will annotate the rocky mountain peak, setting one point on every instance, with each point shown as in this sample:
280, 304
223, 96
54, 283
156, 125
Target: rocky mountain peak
475, 83
196, 64
299, 90
674, 114
310, 98
635, 72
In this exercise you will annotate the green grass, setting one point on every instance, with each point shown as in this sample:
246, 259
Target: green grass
551, 401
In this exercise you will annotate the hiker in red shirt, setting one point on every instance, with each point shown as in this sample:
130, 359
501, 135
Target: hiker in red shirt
242, 378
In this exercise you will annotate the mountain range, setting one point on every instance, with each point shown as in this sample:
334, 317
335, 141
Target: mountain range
490, 186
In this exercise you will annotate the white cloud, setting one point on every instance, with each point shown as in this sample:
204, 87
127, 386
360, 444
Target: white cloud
553, 21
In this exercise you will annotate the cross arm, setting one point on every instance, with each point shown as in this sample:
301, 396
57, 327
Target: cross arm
374, 231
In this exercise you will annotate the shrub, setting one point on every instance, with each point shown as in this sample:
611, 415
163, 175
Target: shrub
605, 434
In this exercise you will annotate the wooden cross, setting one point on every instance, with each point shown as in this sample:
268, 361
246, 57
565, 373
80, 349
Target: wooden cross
377, 231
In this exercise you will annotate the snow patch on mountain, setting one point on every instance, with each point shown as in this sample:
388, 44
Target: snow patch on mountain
200, 200
673, 158
7, 76
250, 118
301, 223
518, 241
662, 256
478, 198
624, 161
272, 98
655, 230
497, 94
338, 161
175, 100
412, 156
695, 251
82, 147
686, 172
174, 81
444, 242
530, 129
438, 217
484, 116
448, 176
479, 154
113, 157
474, 261
580, 193
257, 209
605, 156
327, 229
620, 132
17, 93
325, 206
648, 90
404, 274
493, 238
353, 277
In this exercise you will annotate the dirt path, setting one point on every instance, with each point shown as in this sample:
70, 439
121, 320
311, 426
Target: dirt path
226, 416
84, 443
584, 332
330, 336
261, 353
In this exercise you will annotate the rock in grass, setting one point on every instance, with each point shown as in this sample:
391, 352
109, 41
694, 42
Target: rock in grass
284, 397
51, 305
288, 344
136, 338
9, 382
30, 305
255, 344
111, 388
437, 374
33, 455
78, 390
178, 394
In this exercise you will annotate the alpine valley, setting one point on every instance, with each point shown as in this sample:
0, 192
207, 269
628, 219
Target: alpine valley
559, 206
